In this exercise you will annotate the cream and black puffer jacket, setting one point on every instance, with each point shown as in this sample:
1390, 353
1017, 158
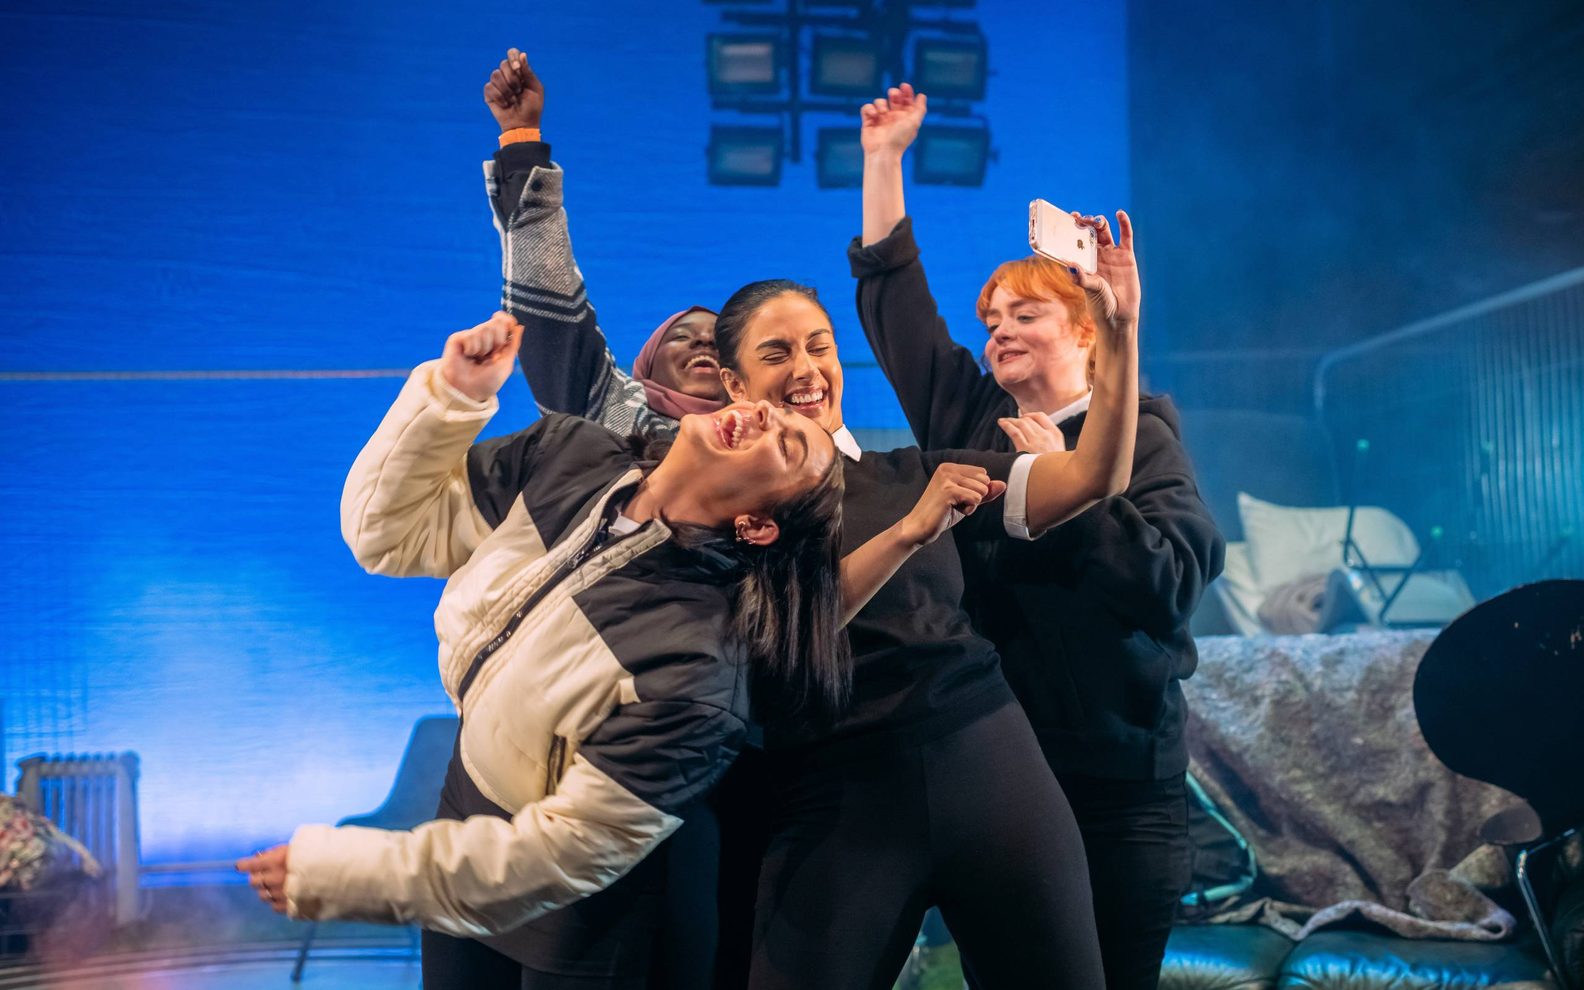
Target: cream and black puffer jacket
599, 688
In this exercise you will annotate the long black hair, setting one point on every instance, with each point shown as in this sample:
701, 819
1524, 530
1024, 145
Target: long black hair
787, 603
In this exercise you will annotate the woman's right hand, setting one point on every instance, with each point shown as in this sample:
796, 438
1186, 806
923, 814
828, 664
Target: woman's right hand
954, 491
1114, 291
514, 95
477, 362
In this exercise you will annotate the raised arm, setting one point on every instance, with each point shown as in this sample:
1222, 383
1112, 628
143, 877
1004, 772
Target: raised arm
942, 391
408, 506
1062, 484
567, 361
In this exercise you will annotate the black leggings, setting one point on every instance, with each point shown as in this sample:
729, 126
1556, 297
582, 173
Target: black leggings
1135, 835
973, 822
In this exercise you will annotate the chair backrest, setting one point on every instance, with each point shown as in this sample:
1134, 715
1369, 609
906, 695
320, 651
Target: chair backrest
93, 799
1499, 696
416, 791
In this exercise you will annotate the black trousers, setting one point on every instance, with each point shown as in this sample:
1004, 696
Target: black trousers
973, 822
1135, 835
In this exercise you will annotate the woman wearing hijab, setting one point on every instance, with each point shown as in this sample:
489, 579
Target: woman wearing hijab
565, 357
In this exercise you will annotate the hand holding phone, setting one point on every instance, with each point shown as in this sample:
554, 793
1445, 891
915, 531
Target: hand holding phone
1057, 235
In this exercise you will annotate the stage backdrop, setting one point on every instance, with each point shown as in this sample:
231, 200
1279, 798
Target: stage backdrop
277, 194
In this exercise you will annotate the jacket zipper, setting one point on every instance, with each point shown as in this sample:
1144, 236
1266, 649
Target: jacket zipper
562, 572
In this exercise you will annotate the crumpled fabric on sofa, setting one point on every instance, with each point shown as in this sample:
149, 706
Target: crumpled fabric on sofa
1310, 746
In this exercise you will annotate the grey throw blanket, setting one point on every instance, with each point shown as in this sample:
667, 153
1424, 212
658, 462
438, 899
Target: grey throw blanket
1310, 746
1294, 608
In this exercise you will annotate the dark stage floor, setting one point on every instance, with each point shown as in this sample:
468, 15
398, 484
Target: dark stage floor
239, 969
213, 933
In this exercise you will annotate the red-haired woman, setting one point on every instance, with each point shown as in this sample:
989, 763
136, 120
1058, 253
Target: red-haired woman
1091, 620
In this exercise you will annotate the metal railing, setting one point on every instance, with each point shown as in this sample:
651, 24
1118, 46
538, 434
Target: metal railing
1470, 426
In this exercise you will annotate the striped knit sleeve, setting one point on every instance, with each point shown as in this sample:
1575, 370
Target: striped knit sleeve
565, 356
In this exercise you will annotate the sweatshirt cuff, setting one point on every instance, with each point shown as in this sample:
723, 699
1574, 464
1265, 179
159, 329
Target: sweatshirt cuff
897, 249
1015, 514
448, 401
521, 156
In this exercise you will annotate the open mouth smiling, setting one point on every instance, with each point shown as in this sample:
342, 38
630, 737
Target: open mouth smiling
805, 400
703, 364
730, 427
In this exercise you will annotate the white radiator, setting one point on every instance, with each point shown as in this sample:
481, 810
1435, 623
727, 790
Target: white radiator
93, 799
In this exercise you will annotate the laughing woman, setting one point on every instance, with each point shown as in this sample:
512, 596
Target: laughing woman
929, 788
600, 618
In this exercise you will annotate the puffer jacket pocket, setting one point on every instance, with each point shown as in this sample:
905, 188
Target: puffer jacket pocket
556, 763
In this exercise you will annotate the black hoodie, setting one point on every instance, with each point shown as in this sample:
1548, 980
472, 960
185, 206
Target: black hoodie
1091, 619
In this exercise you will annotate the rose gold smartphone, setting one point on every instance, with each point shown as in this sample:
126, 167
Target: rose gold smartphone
1054, 234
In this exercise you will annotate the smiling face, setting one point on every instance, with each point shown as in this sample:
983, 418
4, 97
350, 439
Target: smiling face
750, 457
1031, 339
685, 359
787, 356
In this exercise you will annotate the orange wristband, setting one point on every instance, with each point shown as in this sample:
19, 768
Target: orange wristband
517, 134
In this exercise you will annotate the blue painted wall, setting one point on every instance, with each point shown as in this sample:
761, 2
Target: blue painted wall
265, 187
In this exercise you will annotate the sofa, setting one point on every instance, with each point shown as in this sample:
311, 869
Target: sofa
1310, 747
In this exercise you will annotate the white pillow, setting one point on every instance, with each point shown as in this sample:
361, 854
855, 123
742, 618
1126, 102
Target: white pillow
1235, 589
1286, 544
1429, 598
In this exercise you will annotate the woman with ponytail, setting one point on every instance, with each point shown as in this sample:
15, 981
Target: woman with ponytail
929, 788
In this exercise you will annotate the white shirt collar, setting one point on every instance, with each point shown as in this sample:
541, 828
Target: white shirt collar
1071, 409
847, 443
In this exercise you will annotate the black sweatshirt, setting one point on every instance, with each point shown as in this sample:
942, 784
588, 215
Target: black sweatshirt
920, 669
1091, 620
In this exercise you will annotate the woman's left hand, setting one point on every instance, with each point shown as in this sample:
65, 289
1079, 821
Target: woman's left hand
890, 123
1114, 291
267, 876
1033, 433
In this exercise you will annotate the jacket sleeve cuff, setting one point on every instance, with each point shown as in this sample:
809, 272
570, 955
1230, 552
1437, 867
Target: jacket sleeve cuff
539, 189
451, 404
897, 249
324, 881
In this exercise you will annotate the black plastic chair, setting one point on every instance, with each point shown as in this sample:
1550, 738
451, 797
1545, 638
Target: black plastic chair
1498, 696
412, 798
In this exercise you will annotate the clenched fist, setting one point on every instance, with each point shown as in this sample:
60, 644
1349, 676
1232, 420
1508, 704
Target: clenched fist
477, 362
514, 95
